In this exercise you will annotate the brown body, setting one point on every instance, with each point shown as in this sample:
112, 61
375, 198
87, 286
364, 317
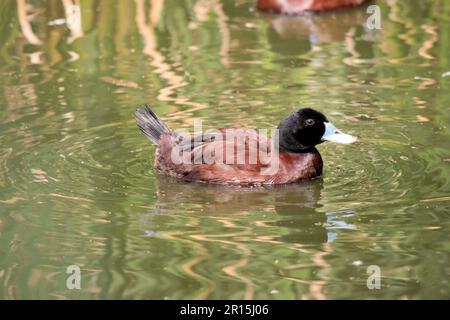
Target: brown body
292, 167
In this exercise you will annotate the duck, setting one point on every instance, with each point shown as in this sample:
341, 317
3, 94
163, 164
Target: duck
243, 156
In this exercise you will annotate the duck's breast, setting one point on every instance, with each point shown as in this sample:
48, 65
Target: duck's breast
295, 167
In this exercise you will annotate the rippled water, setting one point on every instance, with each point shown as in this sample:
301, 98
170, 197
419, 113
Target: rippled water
77, 185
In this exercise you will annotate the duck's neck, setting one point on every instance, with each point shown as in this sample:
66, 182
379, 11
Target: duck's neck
288, 144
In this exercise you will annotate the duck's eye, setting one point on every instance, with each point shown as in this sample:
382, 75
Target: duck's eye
309, 122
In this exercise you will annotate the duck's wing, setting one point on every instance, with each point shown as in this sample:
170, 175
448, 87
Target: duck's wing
244, 149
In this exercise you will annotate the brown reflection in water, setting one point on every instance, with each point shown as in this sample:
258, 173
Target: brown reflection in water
164, 69
316, 28
427, 45
202, 8
25, 21
298, 35
295, 209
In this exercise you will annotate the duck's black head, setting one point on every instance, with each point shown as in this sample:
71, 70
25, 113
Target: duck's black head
303, 129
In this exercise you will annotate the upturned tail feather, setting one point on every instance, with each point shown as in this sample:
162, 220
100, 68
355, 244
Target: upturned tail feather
150, 124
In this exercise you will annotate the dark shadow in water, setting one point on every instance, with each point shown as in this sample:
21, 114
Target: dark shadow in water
295, 206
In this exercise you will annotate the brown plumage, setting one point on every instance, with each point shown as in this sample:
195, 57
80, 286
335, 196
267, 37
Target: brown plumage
295, 159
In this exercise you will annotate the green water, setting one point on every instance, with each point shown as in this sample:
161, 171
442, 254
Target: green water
77, 184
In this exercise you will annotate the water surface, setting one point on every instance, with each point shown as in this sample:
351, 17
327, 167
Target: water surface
77, 184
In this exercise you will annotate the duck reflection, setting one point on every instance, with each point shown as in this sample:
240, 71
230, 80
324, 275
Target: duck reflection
297, 211
295, 206
300, 32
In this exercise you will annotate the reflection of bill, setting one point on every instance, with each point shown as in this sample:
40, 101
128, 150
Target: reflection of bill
73, 19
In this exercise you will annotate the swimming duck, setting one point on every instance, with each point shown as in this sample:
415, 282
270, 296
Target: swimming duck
236, 156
